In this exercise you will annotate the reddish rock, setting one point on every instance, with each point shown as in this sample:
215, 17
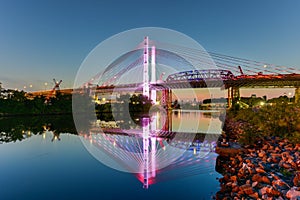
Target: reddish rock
262, 154
279, 182
275, 154
235, 189
275, 160
254, 184
263, 191
247, 189
265, 180
251, 150
293, 194
296, 180
265, 147
289, 148
269, 159
233, 178
229, 184
277, 149
240, 158
275, 176
272, 192
259, 170
293, 164
264, 158
228, 151
254, 195
256, 178
286, 165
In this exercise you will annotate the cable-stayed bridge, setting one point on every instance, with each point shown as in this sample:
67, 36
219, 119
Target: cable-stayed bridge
156, 66
186, 68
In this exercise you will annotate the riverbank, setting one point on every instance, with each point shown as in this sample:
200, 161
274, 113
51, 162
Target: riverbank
268, 169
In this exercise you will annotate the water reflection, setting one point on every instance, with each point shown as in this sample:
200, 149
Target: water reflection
171, 144
14, 129
155, 148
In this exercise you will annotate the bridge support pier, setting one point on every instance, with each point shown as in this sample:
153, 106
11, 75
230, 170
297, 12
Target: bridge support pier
167, 98
167, 126
233, 95
297, 94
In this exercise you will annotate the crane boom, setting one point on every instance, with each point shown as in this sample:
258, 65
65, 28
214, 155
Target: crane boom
241, 71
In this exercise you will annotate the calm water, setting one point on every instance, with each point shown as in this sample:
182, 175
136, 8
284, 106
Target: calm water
58, 163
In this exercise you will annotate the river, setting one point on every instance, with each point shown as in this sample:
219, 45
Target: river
47, 158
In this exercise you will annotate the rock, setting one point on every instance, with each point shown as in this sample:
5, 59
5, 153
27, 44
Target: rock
286, 165
293, 194
256, 178
254, 184
265, 147
263, 191
269, 159
235, 188
262, 154
228, 151
275, 160
260, 170
279, 182
275, 176
296, 180
247, 189
272, 192
240, 158
233, 178
275, 154
254, 195
265, 179
229, 184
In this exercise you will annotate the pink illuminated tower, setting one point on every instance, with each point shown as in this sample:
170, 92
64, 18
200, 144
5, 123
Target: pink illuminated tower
146, 66
146, 89
153, 73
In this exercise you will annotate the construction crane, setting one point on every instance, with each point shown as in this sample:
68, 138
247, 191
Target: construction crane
241, 71
53, 91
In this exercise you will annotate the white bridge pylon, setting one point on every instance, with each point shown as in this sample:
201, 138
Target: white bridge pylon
146, 85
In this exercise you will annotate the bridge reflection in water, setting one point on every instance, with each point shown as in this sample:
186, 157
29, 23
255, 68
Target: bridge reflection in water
158, 148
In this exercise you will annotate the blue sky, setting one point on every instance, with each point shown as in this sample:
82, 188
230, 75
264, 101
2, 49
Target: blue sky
41, 40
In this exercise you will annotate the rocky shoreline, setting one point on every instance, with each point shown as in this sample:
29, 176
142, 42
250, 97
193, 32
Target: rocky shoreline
269, 169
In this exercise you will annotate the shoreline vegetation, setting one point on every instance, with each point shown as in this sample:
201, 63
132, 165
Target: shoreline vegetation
18, 103
259, 153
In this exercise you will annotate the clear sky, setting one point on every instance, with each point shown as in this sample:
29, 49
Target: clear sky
41, 40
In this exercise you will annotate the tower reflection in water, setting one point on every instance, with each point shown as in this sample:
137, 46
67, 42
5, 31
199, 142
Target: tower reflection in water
157, 150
